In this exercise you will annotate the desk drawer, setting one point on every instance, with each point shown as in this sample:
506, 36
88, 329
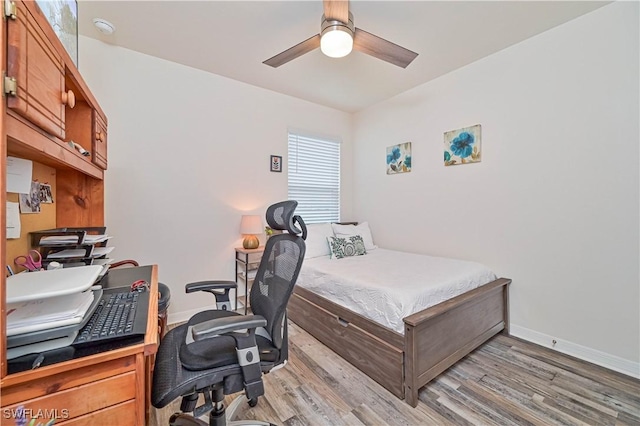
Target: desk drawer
80, 400
47, 383
122, 415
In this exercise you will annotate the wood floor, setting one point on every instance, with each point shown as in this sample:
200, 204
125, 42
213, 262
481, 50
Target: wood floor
504, 382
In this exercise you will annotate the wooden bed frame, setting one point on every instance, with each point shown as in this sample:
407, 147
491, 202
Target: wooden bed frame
434, 339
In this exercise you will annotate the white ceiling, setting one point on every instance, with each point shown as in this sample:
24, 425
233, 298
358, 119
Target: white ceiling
232, 38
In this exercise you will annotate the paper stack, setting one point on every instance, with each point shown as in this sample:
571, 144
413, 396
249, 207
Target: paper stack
73, 239
42, 314
79, 253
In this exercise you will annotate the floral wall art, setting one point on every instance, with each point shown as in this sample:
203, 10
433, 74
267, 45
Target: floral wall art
399, 158
462, 146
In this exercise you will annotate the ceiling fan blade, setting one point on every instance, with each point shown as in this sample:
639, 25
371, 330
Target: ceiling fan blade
336, 10
382, 49
298, 50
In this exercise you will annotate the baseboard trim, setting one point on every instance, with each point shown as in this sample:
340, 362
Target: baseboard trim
584, 353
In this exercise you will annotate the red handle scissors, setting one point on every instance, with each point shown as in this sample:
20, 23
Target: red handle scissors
32, 261
140, 286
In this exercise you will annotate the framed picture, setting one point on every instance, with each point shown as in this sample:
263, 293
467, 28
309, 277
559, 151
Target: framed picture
63, 17
462, 146
399, 158
276, 163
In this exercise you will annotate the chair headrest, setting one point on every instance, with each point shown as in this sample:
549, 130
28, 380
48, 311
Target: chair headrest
281, 216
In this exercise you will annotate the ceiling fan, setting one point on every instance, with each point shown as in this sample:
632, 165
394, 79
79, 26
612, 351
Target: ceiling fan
338, 36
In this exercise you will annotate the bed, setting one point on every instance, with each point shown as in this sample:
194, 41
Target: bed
434, 312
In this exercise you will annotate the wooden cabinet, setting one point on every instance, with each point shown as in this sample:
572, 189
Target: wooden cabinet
104, 385
99, 140
38, 71
50, 109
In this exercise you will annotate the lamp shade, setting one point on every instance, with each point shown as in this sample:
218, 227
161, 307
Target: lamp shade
251, 225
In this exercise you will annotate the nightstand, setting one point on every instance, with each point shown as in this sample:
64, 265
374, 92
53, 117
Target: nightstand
247, 262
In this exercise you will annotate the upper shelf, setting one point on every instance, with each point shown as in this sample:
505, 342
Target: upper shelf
50, 109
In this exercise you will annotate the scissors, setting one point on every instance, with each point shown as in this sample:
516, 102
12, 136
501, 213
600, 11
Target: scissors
29, 261
139, 286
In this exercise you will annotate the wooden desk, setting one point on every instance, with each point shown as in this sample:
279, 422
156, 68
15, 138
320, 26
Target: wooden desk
37, 121
107, 388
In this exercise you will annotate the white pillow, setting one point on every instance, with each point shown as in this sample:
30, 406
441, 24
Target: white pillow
316, 242
361, 229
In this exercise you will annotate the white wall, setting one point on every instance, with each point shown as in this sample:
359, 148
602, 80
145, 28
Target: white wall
188, 155
554, 204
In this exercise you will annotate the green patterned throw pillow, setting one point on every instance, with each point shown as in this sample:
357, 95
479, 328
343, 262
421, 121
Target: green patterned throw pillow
348, 246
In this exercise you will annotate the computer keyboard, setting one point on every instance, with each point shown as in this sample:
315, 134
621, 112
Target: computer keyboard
119, 315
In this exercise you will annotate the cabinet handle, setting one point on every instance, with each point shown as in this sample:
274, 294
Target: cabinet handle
69, 99
99, 136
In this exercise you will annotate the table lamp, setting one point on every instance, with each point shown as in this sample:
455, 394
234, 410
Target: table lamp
250, 225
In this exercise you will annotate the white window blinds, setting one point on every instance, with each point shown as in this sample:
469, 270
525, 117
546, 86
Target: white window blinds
314, 177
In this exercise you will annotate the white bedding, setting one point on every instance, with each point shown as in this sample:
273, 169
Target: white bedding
386, 286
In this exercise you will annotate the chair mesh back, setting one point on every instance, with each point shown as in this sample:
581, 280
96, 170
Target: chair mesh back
278, 270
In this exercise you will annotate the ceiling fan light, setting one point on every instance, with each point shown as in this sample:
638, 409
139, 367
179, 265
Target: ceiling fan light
336, 41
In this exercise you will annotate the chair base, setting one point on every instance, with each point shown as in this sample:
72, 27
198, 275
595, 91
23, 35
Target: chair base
182, 419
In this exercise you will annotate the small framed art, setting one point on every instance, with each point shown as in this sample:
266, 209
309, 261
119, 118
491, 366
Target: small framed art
462, 146
276, 163
399, 158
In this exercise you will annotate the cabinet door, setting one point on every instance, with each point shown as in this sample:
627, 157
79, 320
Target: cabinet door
39, 72
99, 140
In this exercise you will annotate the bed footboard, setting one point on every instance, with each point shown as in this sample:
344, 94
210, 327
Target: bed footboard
438, 337
434, 339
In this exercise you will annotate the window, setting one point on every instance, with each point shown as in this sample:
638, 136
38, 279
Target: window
314, 177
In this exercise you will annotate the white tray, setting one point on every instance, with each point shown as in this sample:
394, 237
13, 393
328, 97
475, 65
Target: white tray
42, 284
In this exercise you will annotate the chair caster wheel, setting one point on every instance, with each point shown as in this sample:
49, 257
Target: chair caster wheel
253, 402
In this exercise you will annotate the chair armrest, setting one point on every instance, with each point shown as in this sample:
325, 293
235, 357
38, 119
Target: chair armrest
210, 285
218, 326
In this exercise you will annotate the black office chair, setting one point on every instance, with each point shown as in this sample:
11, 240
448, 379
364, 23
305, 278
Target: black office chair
220, 352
